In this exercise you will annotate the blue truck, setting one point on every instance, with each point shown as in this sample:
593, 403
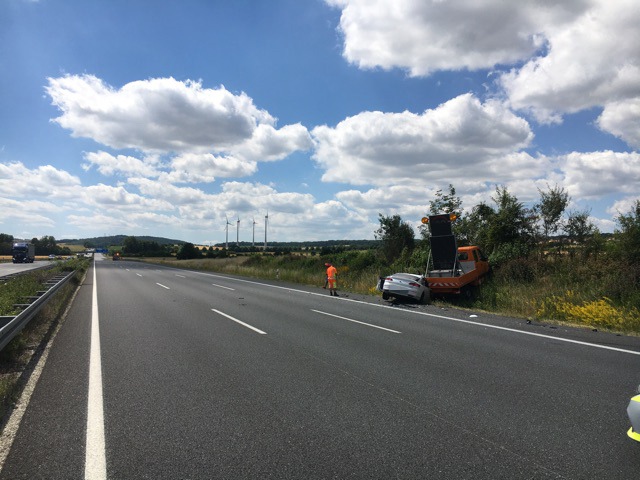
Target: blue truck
23, 252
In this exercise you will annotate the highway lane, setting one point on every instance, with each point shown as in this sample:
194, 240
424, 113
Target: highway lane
330, 390
8, 268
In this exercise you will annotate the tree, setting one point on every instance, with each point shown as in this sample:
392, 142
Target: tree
6, 244
6, 238
474, 228
628, 235
395, 235
444, 203
45, 245
187, 251
579, 228
552, 205
131, 246
511, 229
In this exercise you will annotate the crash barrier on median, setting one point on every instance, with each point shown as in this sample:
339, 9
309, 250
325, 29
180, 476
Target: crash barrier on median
10, 326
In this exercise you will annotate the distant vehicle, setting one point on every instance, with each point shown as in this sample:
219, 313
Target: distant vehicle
52, 257
117, 256
405, 285
452, 269
633, 410
23, 252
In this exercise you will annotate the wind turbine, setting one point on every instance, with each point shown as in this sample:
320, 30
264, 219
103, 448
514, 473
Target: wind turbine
253, 238
266, 221
226, 229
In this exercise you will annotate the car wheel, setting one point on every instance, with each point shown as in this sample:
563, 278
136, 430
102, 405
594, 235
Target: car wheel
425, 298
385, 296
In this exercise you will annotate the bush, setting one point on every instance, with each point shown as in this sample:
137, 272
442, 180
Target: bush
600, 313
517, 270
507, 252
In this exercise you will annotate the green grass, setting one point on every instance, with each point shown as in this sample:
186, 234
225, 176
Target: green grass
16, 289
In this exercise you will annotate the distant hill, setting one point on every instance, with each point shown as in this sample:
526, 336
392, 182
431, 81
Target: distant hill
103, 242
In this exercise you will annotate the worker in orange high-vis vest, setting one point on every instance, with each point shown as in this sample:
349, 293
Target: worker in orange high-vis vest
332, 278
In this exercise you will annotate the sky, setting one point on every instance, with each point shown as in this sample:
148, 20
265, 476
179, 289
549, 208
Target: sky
180, 118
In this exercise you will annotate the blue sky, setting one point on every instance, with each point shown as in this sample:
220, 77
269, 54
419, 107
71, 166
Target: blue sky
163, 118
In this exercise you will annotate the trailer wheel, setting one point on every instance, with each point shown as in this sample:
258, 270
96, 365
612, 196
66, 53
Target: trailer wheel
469, 293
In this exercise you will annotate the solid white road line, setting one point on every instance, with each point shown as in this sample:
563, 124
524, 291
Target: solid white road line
238, 321
163, 286
95, 467
355, 321
222, 286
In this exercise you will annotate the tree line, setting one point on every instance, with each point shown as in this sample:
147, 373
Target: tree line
508, 229
45, 245
522, 239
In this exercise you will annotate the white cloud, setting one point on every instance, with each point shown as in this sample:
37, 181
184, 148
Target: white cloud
624, 206
108, 164
592, 175
205, 167
212, 132
256, 197
16, 180
100, 223
622, 119
28, 212
269, 144
388, 200
25, 209
118, 198
320, 221
564, 56
423, 37
161, 114
590, 62
170, 193
459, 139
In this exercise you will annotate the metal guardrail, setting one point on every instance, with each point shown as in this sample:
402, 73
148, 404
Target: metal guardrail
10, 326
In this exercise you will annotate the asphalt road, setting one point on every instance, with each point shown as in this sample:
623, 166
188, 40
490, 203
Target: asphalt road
209, 376
8, 268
